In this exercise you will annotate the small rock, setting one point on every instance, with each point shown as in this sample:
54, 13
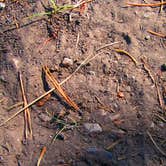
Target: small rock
67, 62
147, 37
92, 127
44, 117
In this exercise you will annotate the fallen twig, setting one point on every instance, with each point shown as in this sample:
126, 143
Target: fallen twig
156, 34
126, 53
155, 144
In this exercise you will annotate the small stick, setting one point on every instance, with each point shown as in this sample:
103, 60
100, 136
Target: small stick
86, 60
156, 34
126, 53
41, 155
155, 144
146, 5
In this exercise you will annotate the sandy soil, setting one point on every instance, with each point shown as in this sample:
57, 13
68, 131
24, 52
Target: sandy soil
110, 90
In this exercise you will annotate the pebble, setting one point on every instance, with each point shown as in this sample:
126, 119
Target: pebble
67, 62
147, 37
93, 127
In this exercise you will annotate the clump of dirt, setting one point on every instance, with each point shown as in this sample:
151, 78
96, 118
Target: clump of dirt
110, 90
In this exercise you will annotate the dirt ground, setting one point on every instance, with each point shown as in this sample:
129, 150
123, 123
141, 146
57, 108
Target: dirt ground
110, 90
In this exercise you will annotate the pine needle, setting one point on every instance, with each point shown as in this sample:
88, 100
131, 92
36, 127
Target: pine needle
147, 5
156, 34
59, 89
41, 155
27, 116
126, 53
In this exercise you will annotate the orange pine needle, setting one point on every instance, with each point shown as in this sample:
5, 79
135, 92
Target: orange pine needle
59, 89
146, 5
156, 34
41, 155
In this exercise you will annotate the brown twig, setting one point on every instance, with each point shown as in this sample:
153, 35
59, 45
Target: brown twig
14, 106
155, 144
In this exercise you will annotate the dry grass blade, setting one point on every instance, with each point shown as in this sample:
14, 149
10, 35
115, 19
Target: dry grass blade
156, 34
41, 155
126, 53
27, 116
59, 89
146, 5
155, 144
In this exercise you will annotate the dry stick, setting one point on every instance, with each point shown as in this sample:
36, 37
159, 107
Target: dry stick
126, 53
88, 59
156, 34
59, 89
27, 115
147, 5
155, 144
